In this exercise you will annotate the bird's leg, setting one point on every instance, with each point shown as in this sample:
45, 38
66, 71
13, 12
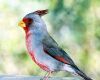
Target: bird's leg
46, 76
49, 73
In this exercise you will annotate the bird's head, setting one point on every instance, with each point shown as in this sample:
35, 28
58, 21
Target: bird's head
33, 21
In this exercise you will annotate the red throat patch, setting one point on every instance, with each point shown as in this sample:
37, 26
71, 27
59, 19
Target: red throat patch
26, 29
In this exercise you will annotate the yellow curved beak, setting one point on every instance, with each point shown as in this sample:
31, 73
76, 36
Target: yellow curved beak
21, 24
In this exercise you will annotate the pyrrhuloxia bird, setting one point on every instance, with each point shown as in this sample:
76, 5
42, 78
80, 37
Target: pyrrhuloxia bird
43, 49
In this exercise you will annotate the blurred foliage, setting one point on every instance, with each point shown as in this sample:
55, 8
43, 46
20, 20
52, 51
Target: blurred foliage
75, 25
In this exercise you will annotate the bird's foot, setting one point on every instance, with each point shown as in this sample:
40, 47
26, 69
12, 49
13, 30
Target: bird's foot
45, 78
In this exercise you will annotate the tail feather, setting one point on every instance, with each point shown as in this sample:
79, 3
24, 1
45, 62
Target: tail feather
83, 75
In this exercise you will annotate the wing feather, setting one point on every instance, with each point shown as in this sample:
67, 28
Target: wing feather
51, 48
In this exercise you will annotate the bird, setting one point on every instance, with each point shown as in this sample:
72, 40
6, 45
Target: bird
43, 49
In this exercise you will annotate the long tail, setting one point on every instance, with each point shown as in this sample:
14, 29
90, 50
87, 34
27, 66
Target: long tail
79, 72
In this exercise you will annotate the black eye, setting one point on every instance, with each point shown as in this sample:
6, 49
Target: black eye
28, 21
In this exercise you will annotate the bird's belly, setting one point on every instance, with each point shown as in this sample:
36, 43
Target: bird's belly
39, 62
46, 62
42, 59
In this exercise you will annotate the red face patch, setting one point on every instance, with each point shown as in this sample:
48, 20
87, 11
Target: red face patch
28, 21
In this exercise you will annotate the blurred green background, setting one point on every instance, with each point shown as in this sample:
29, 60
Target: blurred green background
74, 24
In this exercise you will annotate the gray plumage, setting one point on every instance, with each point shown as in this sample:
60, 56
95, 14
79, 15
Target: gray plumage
46, 50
